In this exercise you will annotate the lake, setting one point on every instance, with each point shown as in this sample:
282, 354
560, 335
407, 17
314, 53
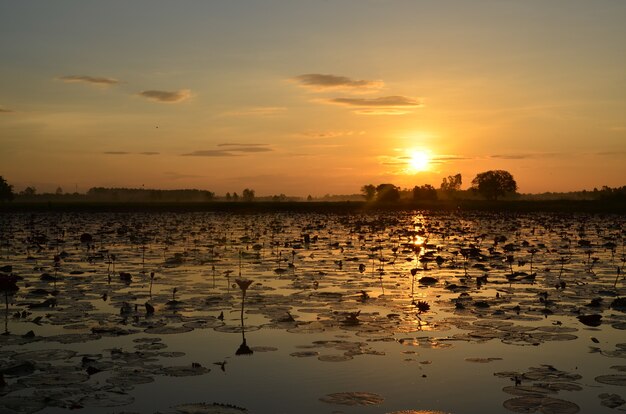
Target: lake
381, 312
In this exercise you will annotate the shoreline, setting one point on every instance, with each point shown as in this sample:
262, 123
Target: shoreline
345, 207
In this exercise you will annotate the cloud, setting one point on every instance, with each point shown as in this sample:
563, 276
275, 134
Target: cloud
166, 96
320, 82
235, 144
611, 153
130, 153
382, 111
94, 80
6, 111
381, 102
210, 153
384, 105
234, 147
441, 159
233, 150
394, 163
524, 156
330, 134
512, 156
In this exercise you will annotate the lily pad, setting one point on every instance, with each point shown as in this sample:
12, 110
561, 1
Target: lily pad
615, 379
184, 371
334, 358
482, 360
45, 355
304, 354
106, 399
168, 330
611, 400
353, 398
21, 405
543, 405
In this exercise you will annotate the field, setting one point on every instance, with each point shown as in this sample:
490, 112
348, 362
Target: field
318, 309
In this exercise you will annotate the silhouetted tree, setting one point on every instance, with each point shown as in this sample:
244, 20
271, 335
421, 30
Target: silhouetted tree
248, 195
29, 191
228, 197
235, 197
424, 192
309, 198
59, 191
369, 192
493, 184
608, 193
6, 190
387, 193
452, 183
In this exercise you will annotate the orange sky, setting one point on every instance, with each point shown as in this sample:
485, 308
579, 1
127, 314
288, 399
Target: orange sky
301, 97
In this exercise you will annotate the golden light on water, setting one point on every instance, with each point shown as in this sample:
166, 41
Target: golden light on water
419, 241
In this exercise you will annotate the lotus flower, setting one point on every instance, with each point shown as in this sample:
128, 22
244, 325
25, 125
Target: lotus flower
422, 306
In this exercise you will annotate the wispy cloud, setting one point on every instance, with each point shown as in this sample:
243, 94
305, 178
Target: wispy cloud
6, 111
524, 156
240, 145
94, 80
381, 102
232, 150
210, 153
322, 82
441, 159
166, 96
330, 134
450, 158
260, 111
512, 156
384, 105
130, 153
395, 163
611, 153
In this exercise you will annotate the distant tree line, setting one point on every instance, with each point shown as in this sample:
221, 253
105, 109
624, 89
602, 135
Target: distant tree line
608, 193
489, 184
103, 194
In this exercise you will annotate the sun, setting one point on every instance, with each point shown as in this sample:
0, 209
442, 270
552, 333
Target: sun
419, 161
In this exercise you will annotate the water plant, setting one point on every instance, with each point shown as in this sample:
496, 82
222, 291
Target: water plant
8, 286
243, 349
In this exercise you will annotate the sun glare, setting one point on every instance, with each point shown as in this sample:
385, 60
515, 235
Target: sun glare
419, 161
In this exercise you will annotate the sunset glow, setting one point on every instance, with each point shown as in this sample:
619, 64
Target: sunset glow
302, 97
419, 161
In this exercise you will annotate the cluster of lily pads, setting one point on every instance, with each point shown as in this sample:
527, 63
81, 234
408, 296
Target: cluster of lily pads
416, 279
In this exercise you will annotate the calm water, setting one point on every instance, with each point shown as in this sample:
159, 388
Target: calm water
371, 313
